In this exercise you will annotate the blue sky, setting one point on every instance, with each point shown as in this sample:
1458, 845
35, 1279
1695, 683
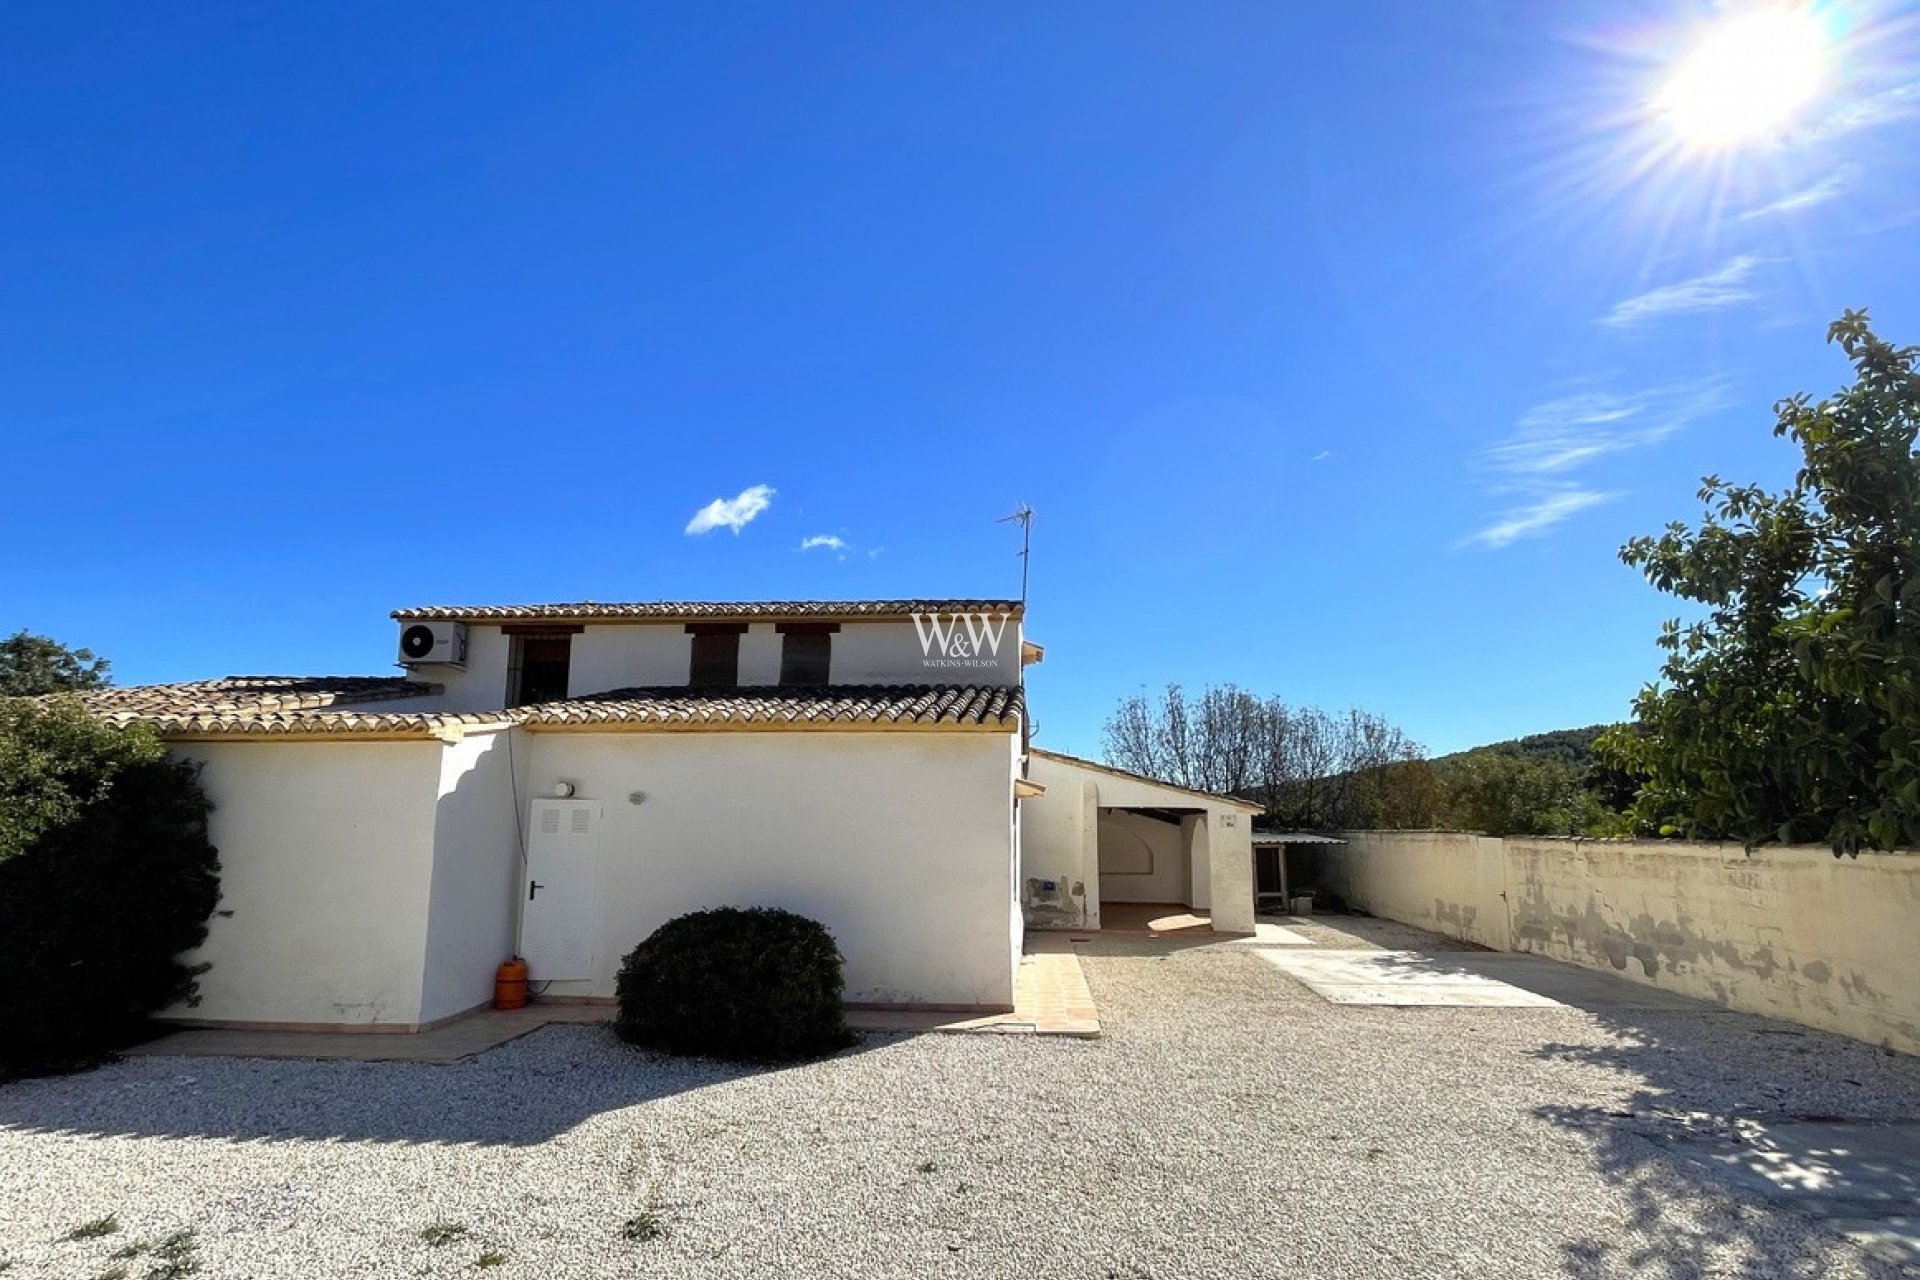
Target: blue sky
1337, 347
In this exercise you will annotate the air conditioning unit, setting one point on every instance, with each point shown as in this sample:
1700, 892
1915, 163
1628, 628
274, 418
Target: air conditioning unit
433, 644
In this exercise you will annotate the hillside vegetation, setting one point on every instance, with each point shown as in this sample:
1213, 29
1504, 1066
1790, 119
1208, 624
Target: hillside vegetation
1571, 747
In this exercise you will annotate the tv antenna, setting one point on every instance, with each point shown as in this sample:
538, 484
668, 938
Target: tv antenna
1024, 518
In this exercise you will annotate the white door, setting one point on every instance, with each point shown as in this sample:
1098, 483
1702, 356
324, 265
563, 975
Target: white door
556, 920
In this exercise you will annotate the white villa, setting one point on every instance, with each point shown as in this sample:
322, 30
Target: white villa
556, 781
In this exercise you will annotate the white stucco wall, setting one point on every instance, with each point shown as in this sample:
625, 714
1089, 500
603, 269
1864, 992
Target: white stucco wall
1230, 870
326, 858
1790, 932
760, 650
1196, 834
891, 653
479, 686
900, 843
629, 655
1058, 834
1141, 859
472, 917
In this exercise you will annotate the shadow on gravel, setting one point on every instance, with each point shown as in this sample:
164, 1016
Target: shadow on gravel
1798, 1151
523, 1093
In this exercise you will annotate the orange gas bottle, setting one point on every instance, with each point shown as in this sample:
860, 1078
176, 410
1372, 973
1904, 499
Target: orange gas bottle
510, 984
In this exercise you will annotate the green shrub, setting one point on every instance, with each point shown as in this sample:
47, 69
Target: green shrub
752, 985
106, 877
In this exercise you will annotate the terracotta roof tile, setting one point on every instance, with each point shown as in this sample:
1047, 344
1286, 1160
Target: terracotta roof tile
414, 724
776, 705
251, 694
669, 610
279, 706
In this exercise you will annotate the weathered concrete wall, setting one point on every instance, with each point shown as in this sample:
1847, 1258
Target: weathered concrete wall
1789, 932
1447, 881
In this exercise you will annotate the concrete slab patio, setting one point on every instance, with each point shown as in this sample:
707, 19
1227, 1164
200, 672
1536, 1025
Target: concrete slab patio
1050, 999
451, 1042
1484, 979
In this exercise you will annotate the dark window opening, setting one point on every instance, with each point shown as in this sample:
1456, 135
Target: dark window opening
716, 654
806, 652
537, 668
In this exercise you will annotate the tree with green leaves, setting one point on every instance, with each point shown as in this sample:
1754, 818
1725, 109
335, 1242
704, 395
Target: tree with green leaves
32, 665
1791, 711
1501, 793
106, 878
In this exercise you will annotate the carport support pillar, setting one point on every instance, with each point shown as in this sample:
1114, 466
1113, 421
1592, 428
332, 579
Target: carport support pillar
1228, 837
1089, 882
1194, 835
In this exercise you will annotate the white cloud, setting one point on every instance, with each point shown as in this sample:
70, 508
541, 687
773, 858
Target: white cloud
1890, 106
1536, 464
1321, 456
1709, 292
1828, 188
823, 540
733, 513
1560, 435
1538, 515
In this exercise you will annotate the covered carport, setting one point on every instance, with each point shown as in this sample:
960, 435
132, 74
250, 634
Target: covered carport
1274, 875
1103, 837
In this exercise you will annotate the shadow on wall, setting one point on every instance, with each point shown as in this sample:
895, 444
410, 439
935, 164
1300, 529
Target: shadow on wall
523, 1093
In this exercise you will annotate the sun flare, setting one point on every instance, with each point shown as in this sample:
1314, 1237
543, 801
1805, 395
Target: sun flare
1747, 78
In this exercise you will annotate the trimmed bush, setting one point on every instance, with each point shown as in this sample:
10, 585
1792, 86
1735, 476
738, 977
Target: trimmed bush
748, 984
106, 877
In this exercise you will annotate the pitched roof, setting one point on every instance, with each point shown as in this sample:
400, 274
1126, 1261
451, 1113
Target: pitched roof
245, 695
706, 610
860, 706
1064, 758
356, 724
283, 706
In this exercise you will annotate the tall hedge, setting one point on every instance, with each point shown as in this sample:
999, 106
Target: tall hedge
106, 878
750, 984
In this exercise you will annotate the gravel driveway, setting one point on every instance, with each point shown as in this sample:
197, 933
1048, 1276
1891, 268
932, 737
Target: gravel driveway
1229, 1123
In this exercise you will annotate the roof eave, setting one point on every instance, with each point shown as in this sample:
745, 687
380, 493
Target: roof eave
1232, 802
775, 611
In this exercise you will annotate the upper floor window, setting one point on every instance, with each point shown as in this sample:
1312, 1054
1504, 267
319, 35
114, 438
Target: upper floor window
806, 651
538, 662
716, 653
